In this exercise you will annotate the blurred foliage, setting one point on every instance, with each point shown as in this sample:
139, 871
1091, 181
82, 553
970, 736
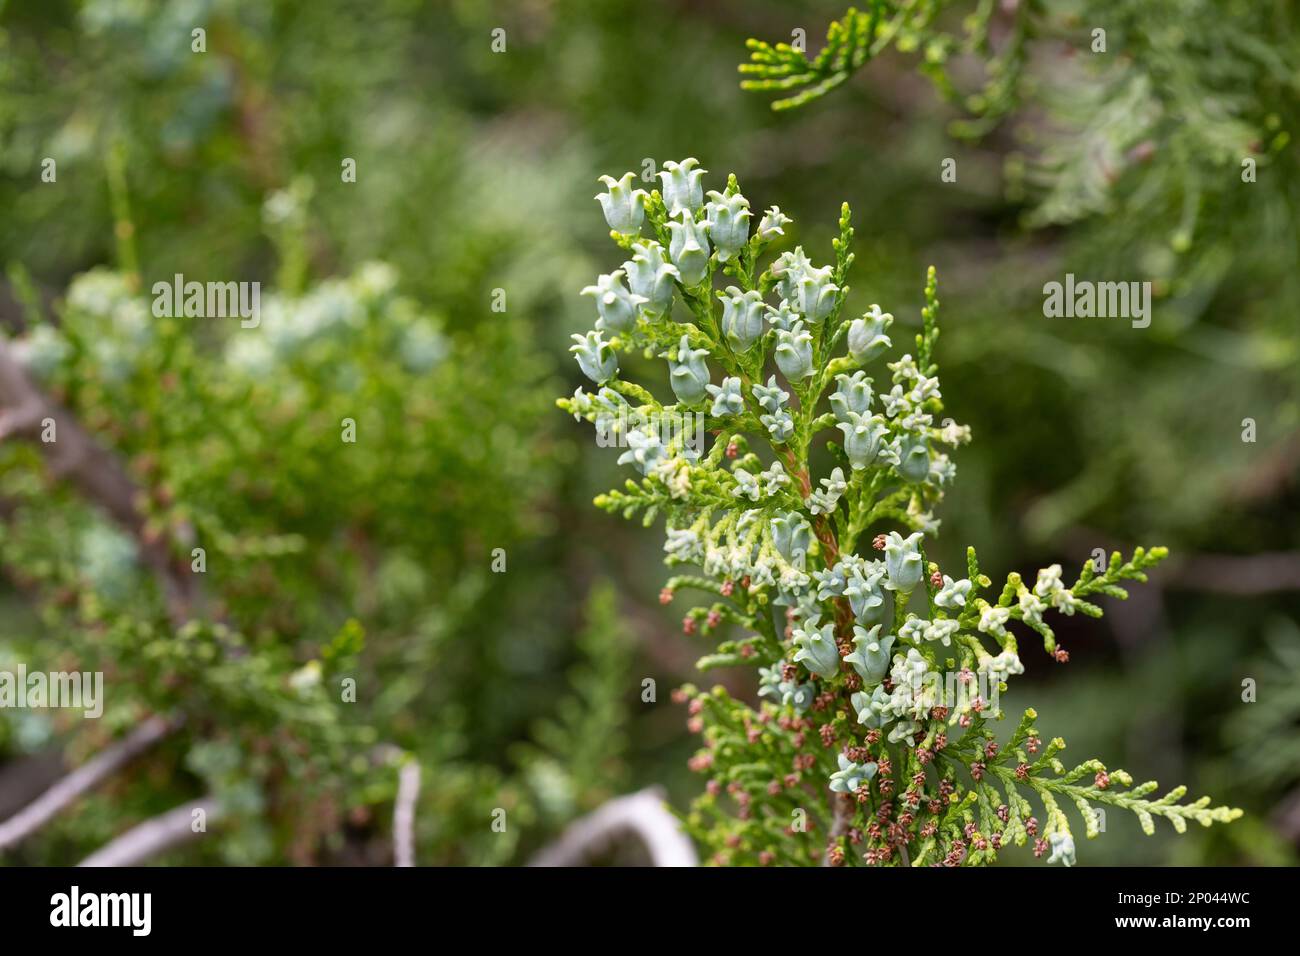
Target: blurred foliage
322, 558
475, 170
571, 767
1166, 129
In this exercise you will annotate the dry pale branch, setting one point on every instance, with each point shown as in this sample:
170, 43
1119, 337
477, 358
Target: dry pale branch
408, 791
89, 775
154, 836
641, 815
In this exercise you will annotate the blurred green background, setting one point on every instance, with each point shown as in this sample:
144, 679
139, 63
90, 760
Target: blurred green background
475, 172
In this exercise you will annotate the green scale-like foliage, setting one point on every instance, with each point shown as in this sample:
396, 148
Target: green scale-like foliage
879, 679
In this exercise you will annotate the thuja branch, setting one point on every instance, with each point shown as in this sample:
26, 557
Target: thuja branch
860, 36
877, 675
72, 454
